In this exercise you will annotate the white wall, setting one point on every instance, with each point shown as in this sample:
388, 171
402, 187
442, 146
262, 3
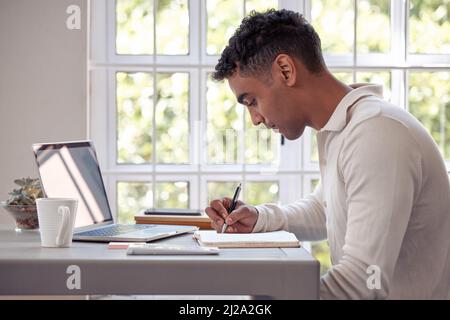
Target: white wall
42, 83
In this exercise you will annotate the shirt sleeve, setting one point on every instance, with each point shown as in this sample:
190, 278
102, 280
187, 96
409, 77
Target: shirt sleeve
380, 163
305, 218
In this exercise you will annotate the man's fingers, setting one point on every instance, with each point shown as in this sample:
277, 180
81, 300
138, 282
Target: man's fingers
213, 214
218, 212
216, 226
238, 228
226, 202
218, 205
238, 214
230, 229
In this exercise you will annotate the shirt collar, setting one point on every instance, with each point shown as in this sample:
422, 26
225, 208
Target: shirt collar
338, 119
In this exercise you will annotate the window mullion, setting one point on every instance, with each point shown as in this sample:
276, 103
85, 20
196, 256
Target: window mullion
241, 152
195, 30
155, 93
195, 91
402, 15
398, 87
203, 32
399, 36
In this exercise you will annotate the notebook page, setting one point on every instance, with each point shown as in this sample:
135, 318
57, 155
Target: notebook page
266, 239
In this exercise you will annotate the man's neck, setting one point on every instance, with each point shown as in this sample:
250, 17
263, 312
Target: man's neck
326, 92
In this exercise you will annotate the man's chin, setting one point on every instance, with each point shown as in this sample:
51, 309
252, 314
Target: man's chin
292, 136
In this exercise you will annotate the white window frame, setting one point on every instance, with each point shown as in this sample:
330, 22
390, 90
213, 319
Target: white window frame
295, 168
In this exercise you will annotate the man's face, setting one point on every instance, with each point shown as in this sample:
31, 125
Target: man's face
271, 103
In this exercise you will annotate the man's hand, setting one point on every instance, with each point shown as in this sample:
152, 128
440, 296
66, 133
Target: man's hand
241, 220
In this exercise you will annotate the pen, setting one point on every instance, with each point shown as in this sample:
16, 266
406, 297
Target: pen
233, 205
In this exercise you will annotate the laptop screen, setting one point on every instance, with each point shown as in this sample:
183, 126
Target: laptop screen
71, 170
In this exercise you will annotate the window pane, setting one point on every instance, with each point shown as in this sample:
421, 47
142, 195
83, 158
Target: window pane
172, 118
314, 183
314, 149
345, 77
429, 26
261, 192
260, 6
220, 189
223, 19
132, 198
135, 196
256, 192
382, 78
333, 20
134, 27
261, 144
134, 117
172, 27
224, 123
321, 251
172, 195
373, 16
429, 101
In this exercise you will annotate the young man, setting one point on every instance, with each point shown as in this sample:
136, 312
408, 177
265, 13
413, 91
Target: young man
384, 198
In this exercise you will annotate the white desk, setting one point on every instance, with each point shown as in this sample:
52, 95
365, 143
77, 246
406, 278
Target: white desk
28, 269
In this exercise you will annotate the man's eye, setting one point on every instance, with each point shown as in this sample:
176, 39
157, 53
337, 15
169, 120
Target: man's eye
252, 103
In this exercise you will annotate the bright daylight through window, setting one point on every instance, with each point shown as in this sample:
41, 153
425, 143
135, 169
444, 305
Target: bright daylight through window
174, 138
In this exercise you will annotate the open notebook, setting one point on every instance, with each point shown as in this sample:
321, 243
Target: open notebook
276, 239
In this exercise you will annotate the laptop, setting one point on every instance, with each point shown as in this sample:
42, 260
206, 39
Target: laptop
71, 170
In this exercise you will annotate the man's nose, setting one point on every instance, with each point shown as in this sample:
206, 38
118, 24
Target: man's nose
256, 117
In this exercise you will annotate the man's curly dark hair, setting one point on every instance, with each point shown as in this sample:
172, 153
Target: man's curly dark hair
263, 36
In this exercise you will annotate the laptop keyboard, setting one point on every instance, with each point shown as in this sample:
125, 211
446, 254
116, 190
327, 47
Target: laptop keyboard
115, 230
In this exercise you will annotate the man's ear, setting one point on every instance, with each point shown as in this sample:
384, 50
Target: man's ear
284, 68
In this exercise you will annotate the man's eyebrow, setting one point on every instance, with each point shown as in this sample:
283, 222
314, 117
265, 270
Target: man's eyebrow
241, 98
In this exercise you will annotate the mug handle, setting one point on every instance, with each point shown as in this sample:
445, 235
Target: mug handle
64, 226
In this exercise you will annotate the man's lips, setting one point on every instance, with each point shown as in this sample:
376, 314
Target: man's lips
273, 127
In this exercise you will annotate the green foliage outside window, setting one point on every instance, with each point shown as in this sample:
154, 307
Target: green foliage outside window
320, 249
261, 144
428, 93
135, 32
382, 78
133, 197
134, 117
258, 192
172, 27
333, 21
221, 189
429, 26
225, 16
135, 114
373, 16
225, 129
223, 19
224, 122
172, 195
172, 118
429, 101
134, 27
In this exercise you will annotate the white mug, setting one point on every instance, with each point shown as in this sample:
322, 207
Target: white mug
56, 221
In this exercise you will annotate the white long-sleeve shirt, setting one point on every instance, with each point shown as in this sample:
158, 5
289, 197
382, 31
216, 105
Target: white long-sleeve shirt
383, 201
